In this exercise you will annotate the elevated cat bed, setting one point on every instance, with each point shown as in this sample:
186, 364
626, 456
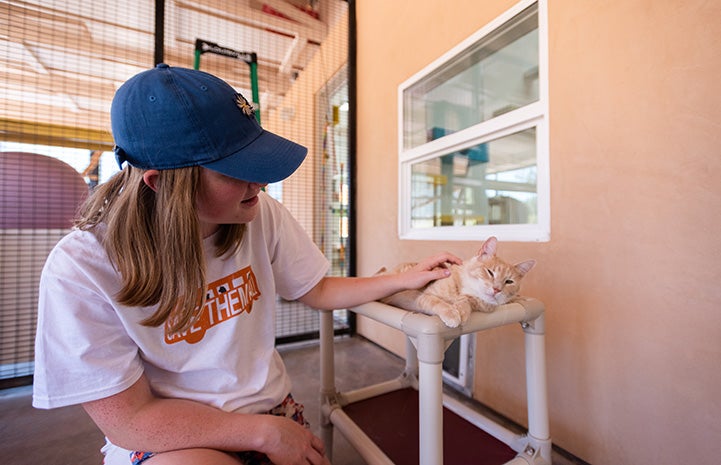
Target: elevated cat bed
374, 419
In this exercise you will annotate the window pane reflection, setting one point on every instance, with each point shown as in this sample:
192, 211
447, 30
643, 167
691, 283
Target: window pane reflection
493, 77
490, 183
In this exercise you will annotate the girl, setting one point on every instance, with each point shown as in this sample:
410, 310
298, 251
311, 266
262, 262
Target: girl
157, 312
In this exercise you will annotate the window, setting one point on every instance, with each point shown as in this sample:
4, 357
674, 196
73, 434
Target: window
474, 139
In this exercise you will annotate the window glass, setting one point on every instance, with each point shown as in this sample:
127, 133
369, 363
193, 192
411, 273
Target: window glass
496, 75
489, 183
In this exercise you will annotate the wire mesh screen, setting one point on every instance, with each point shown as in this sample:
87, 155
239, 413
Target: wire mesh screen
61, 62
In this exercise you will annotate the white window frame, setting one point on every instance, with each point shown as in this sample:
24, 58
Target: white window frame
534, 114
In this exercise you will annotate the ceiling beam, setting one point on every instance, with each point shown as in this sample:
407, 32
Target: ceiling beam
242, 13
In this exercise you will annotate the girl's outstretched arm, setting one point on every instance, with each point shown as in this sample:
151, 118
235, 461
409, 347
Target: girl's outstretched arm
336, 292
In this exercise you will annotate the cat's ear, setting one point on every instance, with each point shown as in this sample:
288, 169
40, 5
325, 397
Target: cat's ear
524, 267
488, 249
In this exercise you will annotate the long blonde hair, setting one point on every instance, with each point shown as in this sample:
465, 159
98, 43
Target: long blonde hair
153, 239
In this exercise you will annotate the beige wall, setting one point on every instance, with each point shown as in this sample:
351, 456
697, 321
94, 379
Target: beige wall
630, 276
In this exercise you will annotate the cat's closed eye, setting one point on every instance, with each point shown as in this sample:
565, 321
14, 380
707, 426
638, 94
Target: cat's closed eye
509, 281
490, 273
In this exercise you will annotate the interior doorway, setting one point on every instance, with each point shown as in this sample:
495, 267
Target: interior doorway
332, 197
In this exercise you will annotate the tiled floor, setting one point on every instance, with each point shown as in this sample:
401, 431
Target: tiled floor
66, 436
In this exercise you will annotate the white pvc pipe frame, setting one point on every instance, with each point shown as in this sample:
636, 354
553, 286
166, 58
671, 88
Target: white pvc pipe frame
427, 340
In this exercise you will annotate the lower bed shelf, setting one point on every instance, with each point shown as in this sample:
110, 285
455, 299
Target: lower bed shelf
391, 421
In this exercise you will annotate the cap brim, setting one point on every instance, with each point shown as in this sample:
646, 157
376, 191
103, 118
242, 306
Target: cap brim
269, 158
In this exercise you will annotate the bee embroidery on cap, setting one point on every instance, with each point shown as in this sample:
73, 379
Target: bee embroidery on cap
244, 105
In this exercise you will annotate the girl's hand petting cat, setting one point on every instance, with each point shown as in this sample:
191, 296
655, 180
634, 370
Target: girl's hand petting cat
430, 269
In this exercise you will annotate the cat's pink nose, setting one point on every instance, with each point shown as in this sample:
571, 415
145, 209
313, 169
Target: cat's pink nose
496, 290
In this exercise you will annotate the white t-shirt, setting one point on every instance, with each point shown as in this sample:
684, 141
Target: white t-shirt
88, 346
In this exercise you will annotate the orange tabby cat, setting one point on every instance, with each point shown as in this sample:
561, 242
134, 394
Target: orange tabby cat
481, 283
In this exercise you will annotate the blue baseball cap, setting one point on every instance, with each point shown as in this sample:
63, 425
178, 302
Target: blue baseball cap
169, 117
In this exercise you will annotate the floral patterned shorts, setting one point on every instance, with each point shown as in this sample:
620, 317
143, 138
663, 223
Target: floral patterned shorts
289, 408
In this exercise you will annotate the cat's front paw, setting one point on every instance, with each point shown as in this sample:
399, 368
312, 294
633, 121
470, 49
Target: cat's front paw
486, 307
464, 314
451, 318
463, 308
